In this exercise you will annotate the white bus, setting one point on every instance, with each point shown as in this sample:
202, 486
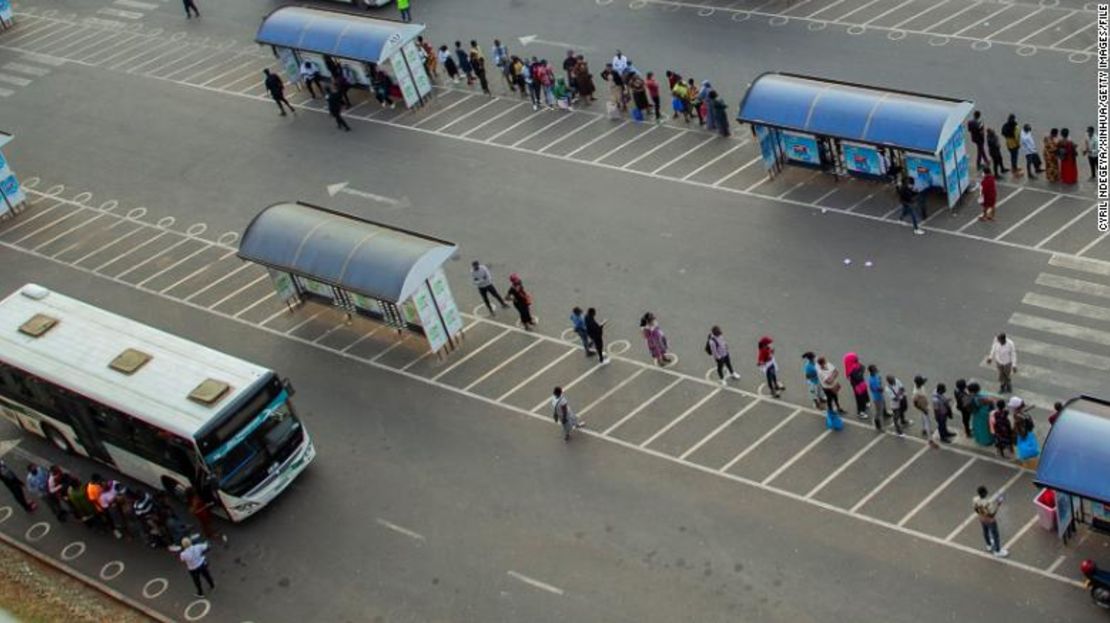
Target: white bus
161, 409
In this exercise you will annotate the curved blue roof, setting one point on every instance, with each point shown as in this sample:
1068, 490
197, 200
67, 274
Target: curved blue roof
853, 112
1076, 455
335, 33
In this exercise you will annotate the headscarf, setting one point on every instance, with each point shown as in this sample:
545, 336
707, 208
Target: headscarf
851, 362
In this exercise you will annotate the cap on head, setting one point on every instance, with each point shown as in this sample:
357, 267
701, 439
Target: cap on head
186, 542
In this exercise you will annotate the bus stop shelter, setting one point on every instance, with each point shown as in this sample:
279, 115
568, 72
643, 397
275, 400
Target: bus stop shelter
362, 267
297, 34
1075, 463
12, 197
858, 130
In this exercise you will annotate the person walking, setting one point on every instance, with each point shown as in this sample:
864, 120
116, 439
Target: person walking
1067, 153
1003, 355
986, 509
310, 75
1051, 159
405, 8
192, 554
980, 405
595, 330
717, 347
276, 87
988, 196
652, 86
482, 279
907, 197
656, 340
994, 147
975, 129
478, 63
765, 359
813, 379
564, 414
1013, 143
942, 412
921, 402
37, 480
1091, 150
15, 485
857, 380
877, 392
463, 60
522, 302
830, 383
381, 83
578, 323
1029, 148
335, 109
191, 9
964, 404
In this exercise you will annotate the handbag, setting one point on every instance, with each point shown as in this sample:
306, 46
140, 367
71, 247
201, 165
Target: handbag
1027, 447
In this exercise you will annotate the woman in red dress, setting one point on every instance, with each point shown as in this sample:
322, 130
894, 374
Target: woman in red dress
988, 196
1069, 169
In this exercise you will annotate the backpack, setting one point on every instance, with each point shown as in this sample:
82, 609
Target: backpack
708, 348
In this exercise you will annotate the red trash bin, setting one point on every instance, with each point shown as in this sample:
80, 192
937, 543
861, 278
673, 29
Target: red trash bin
1045, 501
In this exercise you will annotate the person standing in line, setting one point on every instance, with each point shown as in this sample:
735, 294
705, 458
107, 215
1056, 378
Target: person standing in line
942, 412
986, 508
547, 83
464, 63
830, 383
276, 88
988, 196
1013, 144
1057, 409
620, 62
335, 109
680, 100
1019, 414
895, 395
964, 404
501, 60
718, 112
1067, 152
639, 94
857, 380
310, 75
192, 554
1001, 428
15, 485
1051, 159
578, 323
190, 9
38, 484
428, 53
616, 87
980, 415
717, 347
595, 332
405, 8
1003, 355
532, 82
522, 301
765, 359
907, 196
83, 509
877, 394
1090, 149
564, 414
448, 63
583, 80
1026, 448
56, 489
921, 403
975, 129
693, 100
478, 63
995, 149
813, 379
569, 65
652, 86
655, 338
1029, 148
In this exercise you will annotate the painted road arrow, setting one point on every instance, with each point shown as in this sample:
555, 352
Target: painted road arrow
530, 39
342, 187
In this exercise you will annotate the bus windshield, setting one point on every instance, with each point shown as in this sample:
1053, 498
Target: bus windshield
249, 445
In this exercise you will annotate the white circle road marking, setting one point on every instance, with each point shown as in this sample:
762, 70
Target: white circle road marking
938, 41
1048, 4
32, 533
1079, 57
604, 2
624, 345
706, 12
228, 238
980, 45
166, 222
68, 555
82, 197
155, 32
203, 603
196, 229
31, 182
105, 574
856, 30
177, 36
896, 35
636, 5
815, 26
778, 20
564, 335
152, 594
480, 311
1026, 50
109, 205
135, 213
55, 190
671, 359
671, 8
741, 17
5, 513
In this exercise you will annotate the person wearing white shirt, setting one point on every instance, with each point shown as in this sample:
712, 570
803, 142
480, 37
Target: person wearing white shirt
192, 554
1029, 148
483, 280
1004, 356
620, 63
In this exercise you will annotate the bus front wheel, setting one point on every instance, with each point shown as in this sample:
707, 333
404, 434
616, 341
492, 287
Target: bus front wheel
58, 439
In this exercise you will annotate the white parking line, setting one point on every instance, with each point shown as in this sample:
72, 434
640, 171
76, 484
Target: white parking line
466, 115
49, 225
681, 417
198, 271
610, 392
107, 246
1027, 217
217, 281
843, 466
953, 16
758, 442
438, 112
794, 459
971, 517
720, 428
1080, 264
685, 154
492, 119
702, 167
625, 144
152, 258
269, 295
571, 384
514, 126
1017, 535
840, 18
823, 9
471, 354
302, 323
362, 337
890, 478
641, 407
562, 117
1063, 329
677, 135
935, 492
1012, 24
405, 531
744, 166
1045, 27
1082, 29
1071, 284
974, 24
1063, 227
68, 231
598, 138
998, 204
238, 292
888, 12
1092, 244
511, 358
536, 583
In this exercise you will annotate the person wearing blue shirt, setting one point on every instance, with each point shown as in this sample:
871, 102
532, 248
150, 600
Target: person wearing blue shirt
578, 322
875, 388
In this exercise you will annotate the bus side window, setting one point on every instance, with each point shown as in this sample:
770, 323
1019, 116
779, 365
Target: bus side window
111, 426
157, 447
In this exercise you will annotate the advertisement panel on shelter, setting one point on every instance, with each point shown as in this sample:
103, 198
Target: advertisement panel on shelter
863, 159
767, 140
404, 80
924, 171
289, 64
423, 84
283, 285
1063, 513
367, 304
317, 60
951, 178
315, 287
801, 148
11, 193
6, 10
963, 165
446, 303
429, 318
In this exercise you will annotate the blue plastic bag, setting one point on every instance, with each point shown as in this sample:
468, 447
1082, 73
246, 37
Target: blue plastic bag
1027, 447
832, 420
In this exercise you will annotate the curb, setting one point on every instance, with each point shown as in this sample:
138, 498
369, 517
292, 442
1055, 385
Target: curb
81, 577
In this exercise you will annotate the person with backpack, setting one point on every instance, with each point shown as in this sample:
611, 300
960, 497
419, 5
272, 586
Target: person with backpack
594, 331
986, 508
717, 347
921, 402
942, 412
564, 414
857, 380
1002, 429
522, 302
975, 129
897, 403
964, 404
829, 377
1012, 135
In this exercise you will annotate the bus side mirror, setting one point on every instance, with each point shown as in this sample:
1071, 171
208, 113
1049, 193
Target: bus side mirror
288, 385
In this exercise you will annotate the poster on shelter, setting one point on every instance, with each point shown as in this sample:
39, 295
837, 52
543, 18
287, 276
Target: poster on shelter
423, 84
429, 318
801, 148
446, 303
6, 11
11, 193
963, 166
283, 285
926, 172
766, 137
863, 159
404, 80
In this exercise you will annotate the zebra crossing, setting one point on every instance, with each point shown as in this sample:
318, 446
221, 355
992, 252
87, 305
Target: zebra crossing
878, 478
1062, 331
23, 72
